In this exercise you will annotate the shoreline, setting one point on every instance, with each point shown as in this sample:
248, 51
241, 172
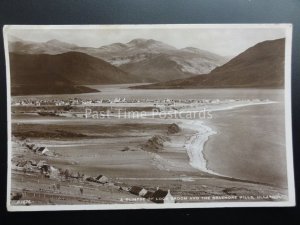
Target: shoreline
195, 135
195, 144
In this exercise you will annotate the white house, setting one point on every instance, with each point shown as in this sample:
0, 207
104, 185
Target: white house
169, 198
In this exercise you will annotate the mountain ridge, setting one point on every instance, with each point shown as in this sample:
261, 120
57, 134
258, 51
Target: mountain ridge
135, 57
260, 66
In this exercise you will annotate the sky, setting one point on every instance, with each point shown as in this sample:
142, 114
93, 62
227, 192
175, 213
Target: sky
222, 40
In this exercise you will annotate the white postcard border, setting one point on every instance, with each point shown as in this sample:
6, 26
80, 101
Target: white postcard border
288, 122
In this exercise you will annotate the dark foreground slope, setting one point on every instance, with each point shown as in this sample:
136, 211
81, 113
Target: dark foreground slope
261, 66
79, 68
60, 74
18, 90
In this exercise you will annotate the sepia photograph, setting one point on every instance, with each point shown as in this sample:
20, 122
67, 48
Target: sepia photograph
148, 116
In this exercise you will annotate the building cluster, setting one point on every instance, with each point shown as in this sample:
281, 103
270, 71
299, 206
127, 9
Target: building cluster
154, 102
157, 196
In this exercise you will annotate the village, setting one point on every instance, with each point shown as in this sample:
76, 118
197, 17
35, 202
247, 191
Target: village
97, 102
128, 108
58, 106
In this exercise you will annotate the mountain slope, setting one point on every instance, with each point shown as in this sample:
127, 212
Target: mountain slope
30, 77
50, 89
259, 66
78, 68
170, 65
152, 60
61, 74
158, 68
139, 57
52, 47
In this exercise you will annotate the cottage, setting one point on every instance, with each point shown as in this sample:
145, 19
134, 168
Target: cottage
35, 148
135, 190
47, 152
117, 100
161, 196
40, 149
30, 146
148, 195
41, 163
45, 168
169, 198
102, 179
143, 192
54, 173
91, 179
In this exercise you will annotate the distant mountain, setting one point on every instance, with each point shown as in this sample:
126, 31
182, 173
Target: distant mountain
135, 47
147, 59
259, 66
52, 47
152, 60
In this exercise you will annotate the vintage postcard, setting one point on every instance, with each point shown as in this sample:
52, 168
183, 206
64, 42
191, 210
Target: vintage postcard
149, 116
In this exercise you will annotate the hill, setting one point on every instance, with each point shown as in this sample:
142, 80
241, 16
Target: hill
75, 67
64, 73
28, 78
18, 90
261, 66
